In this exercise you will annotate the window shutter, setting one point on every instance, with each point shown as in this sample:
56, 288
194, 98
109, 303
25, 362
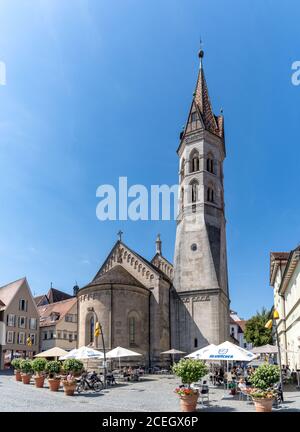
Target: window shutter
15, 320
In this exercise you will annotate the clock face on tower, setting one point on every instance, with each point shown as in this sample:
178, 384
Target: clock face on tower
194, 247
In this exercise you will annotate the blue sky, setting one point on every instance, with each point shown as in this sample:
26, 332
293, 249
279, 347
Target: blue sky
98, 89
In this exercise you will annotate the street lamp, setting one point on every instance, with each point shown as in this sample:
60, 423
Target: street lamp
272, 323
98, 331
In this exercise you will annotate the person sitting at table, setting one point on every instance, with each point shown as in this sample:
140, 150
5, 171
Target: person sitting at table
220, 376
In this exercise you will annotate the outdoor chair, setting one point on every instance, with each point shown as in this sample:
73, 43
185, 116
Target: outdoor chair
204, 393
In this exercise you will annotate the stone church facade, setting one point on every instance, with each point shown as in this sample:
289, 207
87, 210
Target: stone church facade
151, 306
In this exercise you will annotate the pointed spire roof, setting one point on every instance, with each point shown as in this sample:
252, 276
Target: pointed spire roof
201, 97
201, 105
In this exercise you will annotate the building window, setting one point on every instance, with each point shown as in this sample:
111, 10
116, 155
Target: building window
58, 335
21, 339
10, 337
210, 165
22, 305
11, 319
45, 335
65, 335
32, 337
92, 329
22, 322
194, 191
210, 195
195, 343
51, 335
75, 336
33, 324
70, 337
131, 330
194, 161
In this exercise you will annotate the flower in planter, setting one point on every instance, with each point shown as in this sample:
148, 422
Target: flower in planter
263, 379
190, 370
183, 391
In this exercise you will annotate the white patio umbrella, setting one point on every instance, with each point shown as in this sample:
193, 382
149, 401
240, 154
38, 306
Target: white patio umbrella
52, 352
83, 353
265, 349
119, 352
228, 351
200, 354
173, 352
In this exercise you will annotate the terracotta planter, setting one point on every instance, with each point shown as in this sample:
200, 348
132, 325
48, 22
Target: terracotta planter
39, 381
188, 403
18, 375
26, 378
69, 389
54, 383
263, 405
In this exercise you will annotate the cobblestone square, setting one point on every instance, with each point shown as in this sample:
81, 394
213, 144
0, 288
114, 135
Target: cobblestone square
154, 393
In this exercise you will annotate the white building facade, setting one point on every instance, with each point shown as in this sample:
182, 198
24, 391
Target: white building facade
285, 280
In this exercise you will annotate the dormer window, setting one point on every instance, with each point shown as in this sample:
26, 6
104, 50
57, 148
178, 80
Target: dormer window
54, 316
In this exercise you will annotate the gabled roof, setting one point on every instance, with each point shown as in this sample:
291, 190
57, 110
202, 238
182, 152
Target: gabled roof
8, 292
41, 300
54, 295
144, 260
242, 325
60, 308
276, 259
116, 275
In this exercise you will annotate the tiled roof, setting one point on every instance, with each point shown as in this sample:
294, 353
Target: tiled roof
54, 295
242, 324
59, 308
7, 292
280, 255
211, 122
116, 275
41, 300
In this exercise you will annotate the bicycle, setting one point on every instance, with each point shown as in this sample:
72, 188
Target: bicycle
89, 382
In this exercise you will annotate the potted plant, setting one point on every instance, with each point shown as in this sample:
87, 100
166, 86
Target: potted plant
39, 365
16, 365
53, 369
26, 371
71, 367
190, 371
262, 392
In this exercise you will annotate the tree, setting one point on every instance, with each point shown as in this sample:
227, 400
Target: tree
255, 331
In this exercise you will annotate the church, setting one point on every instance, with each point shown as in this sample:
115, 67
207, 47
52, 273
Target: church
152, 306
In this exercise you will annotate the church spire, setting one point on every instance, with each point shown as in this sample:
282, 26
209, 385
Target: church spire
201, 98
201, 105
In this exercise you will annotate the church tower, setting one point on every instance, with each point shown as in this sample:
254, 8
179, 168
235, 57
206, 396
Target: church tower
200, 299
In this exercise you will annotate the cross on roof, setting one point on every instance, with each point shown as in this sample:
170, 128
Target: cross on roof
120, 233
